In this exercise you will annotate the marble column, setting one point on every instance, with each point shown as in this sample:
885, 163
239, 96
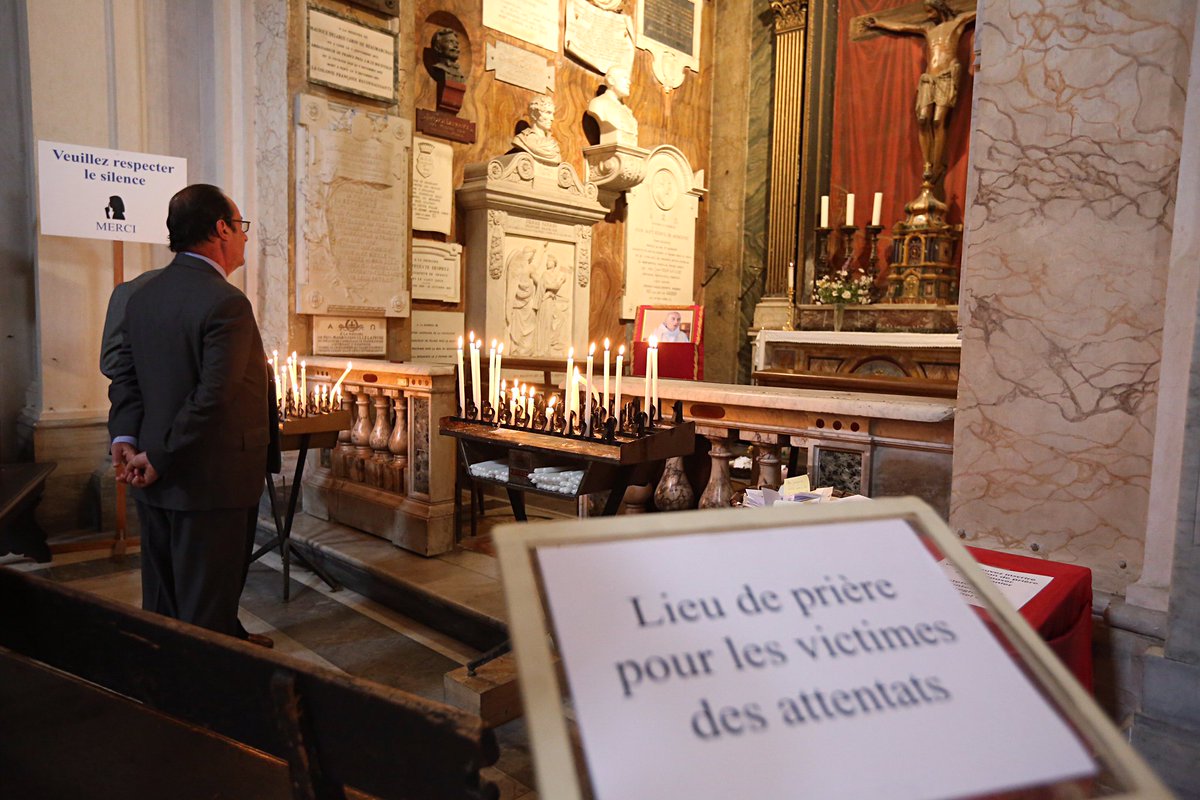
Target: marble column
719, 491
1076, 140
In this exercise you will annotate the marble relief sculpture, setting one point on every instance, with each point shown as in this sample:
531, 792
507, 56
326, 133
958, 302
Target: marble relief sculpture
521, 308
616, 120
537, 313
537, 139
554, 313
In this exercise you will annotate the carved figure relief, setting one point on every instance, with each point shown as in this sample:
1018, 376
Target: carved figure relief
554, 314
523, 299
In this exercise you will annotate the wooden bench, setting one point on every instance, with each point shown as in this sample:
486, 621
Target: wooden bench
259, 724
21, 487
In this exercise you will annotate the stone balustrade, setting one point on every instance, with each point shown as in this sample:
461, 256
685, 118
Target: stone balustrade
393, 475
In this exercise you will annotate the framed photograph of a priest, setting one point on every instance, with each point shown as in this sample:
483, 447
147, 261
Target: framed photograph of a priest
678, 332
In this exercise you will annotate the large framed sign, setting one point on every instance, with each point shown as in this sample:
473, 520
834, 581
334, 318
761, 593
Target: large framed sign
670, 31
96, 193
792, 651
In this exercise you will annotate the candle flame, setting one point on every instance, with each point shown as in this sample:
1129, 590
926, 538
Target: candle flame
621, 350
592, 349
654, 341
460, 343
605, 342
571, 352
472, 337
500, 348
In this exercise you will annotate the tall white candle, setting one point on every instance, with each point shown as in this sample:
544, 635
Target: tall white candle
337, 387
491, 395
499, 373
569, 385
654, 378
303, 384
652, 345
587, 386
295, 362
877, 208
576, 379
475, 395
617, 388
791, 278
824, 211
604, 396
849, 209
462, 381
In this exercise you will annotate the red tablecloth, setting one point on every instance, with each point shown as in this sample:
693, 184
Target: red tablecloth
1061, 612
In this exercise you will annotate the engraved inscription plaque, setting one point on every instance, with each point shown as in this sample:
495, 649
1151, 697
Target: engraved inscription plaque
670, 22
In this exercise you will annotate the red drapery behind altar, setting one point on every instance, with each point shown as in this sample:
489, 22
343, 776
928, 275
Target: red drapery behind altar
875, 146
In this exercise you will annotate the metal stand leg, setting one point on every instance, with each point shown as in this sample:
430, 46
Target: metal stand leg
283, 528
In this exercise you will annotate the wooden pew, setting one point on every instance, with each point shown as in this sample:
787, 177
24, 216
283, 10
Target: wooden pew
21, 487
332, 731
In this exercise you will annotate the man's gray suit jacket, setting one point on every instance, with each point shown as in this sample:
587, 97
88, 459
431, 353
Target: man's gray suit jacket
190, 383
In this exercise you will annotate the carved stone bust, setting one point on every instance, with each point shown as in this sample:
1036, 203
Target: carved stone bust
445, 46
537, 140
616, 120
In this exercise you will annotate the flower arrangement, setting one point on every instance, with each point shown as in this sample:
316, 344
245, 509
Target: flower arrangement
840, 289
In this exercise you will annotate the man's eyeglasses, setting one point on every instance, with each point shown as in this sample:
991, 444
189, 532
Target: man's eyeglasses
245, 223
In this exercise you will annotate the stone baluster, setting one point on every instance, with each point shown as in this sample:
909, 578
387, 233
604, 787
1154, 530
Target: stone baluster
719, 491
380, 433
360, 437
398, 446
345, 450
637, 498
766, 459
674, 492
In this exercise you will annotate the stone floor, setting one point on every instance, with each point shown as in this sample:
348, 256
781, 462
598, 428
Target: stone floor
347, 631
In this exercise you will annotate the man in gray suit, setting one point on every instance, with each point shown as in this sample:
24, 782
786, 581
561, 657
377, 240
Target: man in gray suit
190, 420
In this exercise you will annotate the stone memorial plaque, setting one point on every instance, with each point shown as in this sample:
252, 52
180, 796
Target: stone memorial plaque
349, 336
670, 31
351, 210
432, 193
445, 126
352, 57
520, 67
598, 38
660, 233
436, 267
533, 21
435, 336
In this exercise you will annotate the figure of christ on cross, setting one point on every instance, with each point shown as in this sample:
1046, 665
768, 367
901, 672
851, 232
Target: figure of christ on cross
937, 91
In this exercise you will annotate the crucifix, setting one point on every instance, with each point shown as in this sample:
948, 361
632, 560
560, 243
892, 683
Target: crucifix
942, 24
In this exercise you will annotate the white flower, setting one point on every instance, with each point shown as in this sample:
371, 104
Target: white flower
846, 294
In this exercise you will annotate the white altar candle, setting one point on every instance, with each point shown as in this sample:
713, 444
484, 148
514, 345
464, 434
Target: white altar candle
587, 386
654, 378
568, 386
877, 208
475, 395
491, 395
791, 278
499, 372
462, 380
295, 382
650, 348
617, 388
604, 396
550, 412
532, 407
303, 384
849, 209
576, 379
824, 211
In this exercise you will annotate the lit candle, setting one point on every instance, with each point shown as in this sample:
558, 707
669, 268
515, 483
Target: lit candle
550, 412
303, 384
877, 208
651, 345
568, 385
337, 387
587, 386
791, 278
462, 381
575, 381
294, 361
532, 407
617, 388
654, 378
499, 368
604, 396
824, 211
475, 395
491, 397
849, 209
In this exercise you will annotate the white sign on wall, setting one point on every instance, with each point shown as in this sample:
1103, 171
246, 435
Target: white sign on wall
533, 21
95, 193
836, 657
351, 57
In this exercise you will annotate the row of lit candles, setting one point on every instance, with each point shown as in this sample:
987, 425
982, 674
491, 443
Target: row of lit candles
876, 209
522, 395
295, 372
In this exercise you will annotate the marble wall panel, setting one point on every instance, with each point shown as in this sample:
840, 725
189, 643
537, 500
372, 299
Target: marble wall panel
1075, 151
